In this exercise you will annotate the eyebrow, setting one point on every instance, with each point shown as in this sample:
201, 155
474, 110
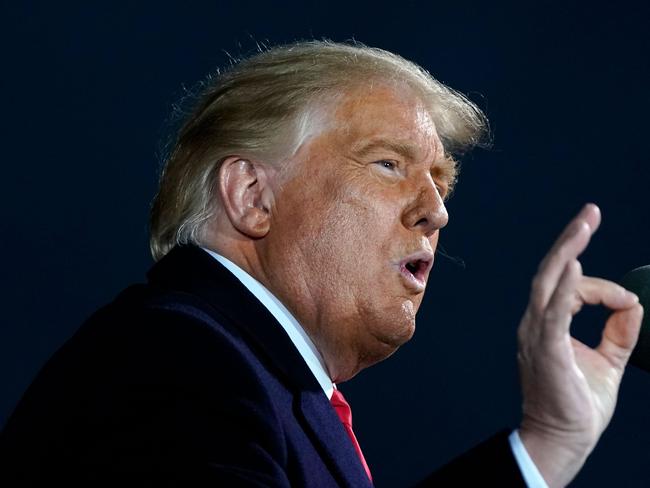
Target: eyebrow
405, 150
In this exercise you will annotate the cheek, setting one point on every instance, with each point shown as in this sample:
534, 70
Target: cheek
361, 234
344, 229
356, 231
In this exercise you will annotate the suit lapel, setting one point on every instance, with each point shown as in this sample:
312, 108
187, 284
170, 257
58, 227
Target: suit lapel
330, 435
191, 270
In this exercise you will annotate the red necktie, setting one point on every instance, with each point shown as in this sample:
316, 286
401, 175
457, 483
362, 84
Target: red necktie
345, 414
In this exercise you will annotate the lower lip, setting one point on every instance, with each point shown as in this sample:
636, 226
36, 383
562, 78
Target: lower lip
411, 281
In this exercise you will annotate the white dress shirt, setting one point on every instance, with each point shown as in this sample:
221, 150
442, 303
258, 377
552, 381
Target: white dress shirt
296, 333
316, 365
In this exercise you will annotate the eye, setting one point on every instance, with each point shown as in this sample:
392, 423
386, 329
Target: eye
442, 190
387, 164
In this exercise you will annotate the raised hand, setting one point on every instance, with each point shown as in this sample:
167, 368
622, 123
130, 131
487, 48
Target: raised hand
570, 389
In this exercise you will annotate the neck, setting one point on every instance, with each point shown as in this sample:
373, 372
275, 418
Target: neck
249, 255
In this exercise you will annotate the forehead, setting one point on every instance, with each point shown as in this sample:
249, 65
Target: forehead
386, 114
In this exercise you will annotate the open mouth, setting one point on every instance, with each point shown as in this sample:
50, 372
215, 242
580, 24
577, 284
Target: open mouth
415, 269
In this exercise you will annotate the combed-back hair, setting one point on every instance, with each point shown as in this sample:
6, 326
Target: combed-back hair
261, 106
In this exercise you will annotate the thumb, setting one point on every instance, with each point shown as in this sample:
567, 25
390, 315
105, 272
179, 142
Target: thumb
620, 335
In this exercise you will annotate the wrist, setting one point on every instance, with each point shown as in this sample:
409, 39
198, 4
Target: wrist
557, 457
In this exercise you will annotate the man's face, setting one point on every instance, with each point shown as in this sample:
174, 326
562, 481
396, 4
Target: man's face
355, 226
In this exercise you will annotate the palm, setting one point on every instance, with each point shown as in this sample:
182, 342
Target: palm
600, 383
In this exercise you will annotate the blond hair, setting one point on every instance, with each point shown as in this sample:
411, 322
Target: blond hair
260, 107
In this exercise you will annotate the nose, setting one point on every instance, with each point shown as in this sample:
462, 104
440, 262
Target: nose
426, 212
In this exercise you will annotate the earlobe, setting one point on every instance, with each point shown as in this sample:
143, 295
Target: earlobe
244, 187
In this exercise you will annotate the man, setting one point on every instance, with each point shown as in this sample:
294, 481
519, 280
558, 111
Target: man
295, 229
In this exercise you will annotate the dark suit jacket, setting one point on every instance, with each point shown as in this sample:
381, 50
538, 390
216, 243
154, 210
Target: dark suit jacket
189, 381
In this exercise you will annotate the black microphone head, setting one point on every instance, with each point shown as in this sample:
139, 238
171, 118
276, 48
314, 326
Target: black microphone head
638, 281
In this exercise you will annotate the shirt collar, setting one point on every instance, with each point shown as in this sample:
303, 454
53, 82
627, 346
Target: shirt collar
294, 330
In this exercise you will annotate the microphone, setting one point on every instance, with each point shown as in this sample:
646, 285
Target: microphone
638, 281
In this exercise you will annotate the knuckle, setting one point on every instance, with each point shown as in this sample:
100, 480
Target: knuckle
535, 308
563, 252
577, 307
537, 285
551, 316
576, 266
523, 358
522, 334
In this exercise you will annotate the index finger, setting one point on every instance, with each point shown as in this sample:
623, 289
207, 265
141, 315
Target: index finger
571, 243
597, 291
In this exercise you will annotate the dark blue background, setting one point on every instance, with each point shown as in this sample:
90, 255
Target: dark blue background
87, 92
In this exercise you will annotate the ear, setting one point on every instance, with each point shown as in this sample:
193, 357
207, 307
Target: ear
247, 196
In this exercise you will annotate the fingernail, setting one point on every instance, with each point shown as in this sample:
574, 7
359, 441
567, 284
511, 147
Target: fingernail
632, 296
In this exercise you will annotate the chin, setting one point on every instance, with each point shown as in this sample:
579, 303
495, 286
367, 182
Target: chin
406, 322
379, 345
384, 332
396, 326
388, 339
403, 335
